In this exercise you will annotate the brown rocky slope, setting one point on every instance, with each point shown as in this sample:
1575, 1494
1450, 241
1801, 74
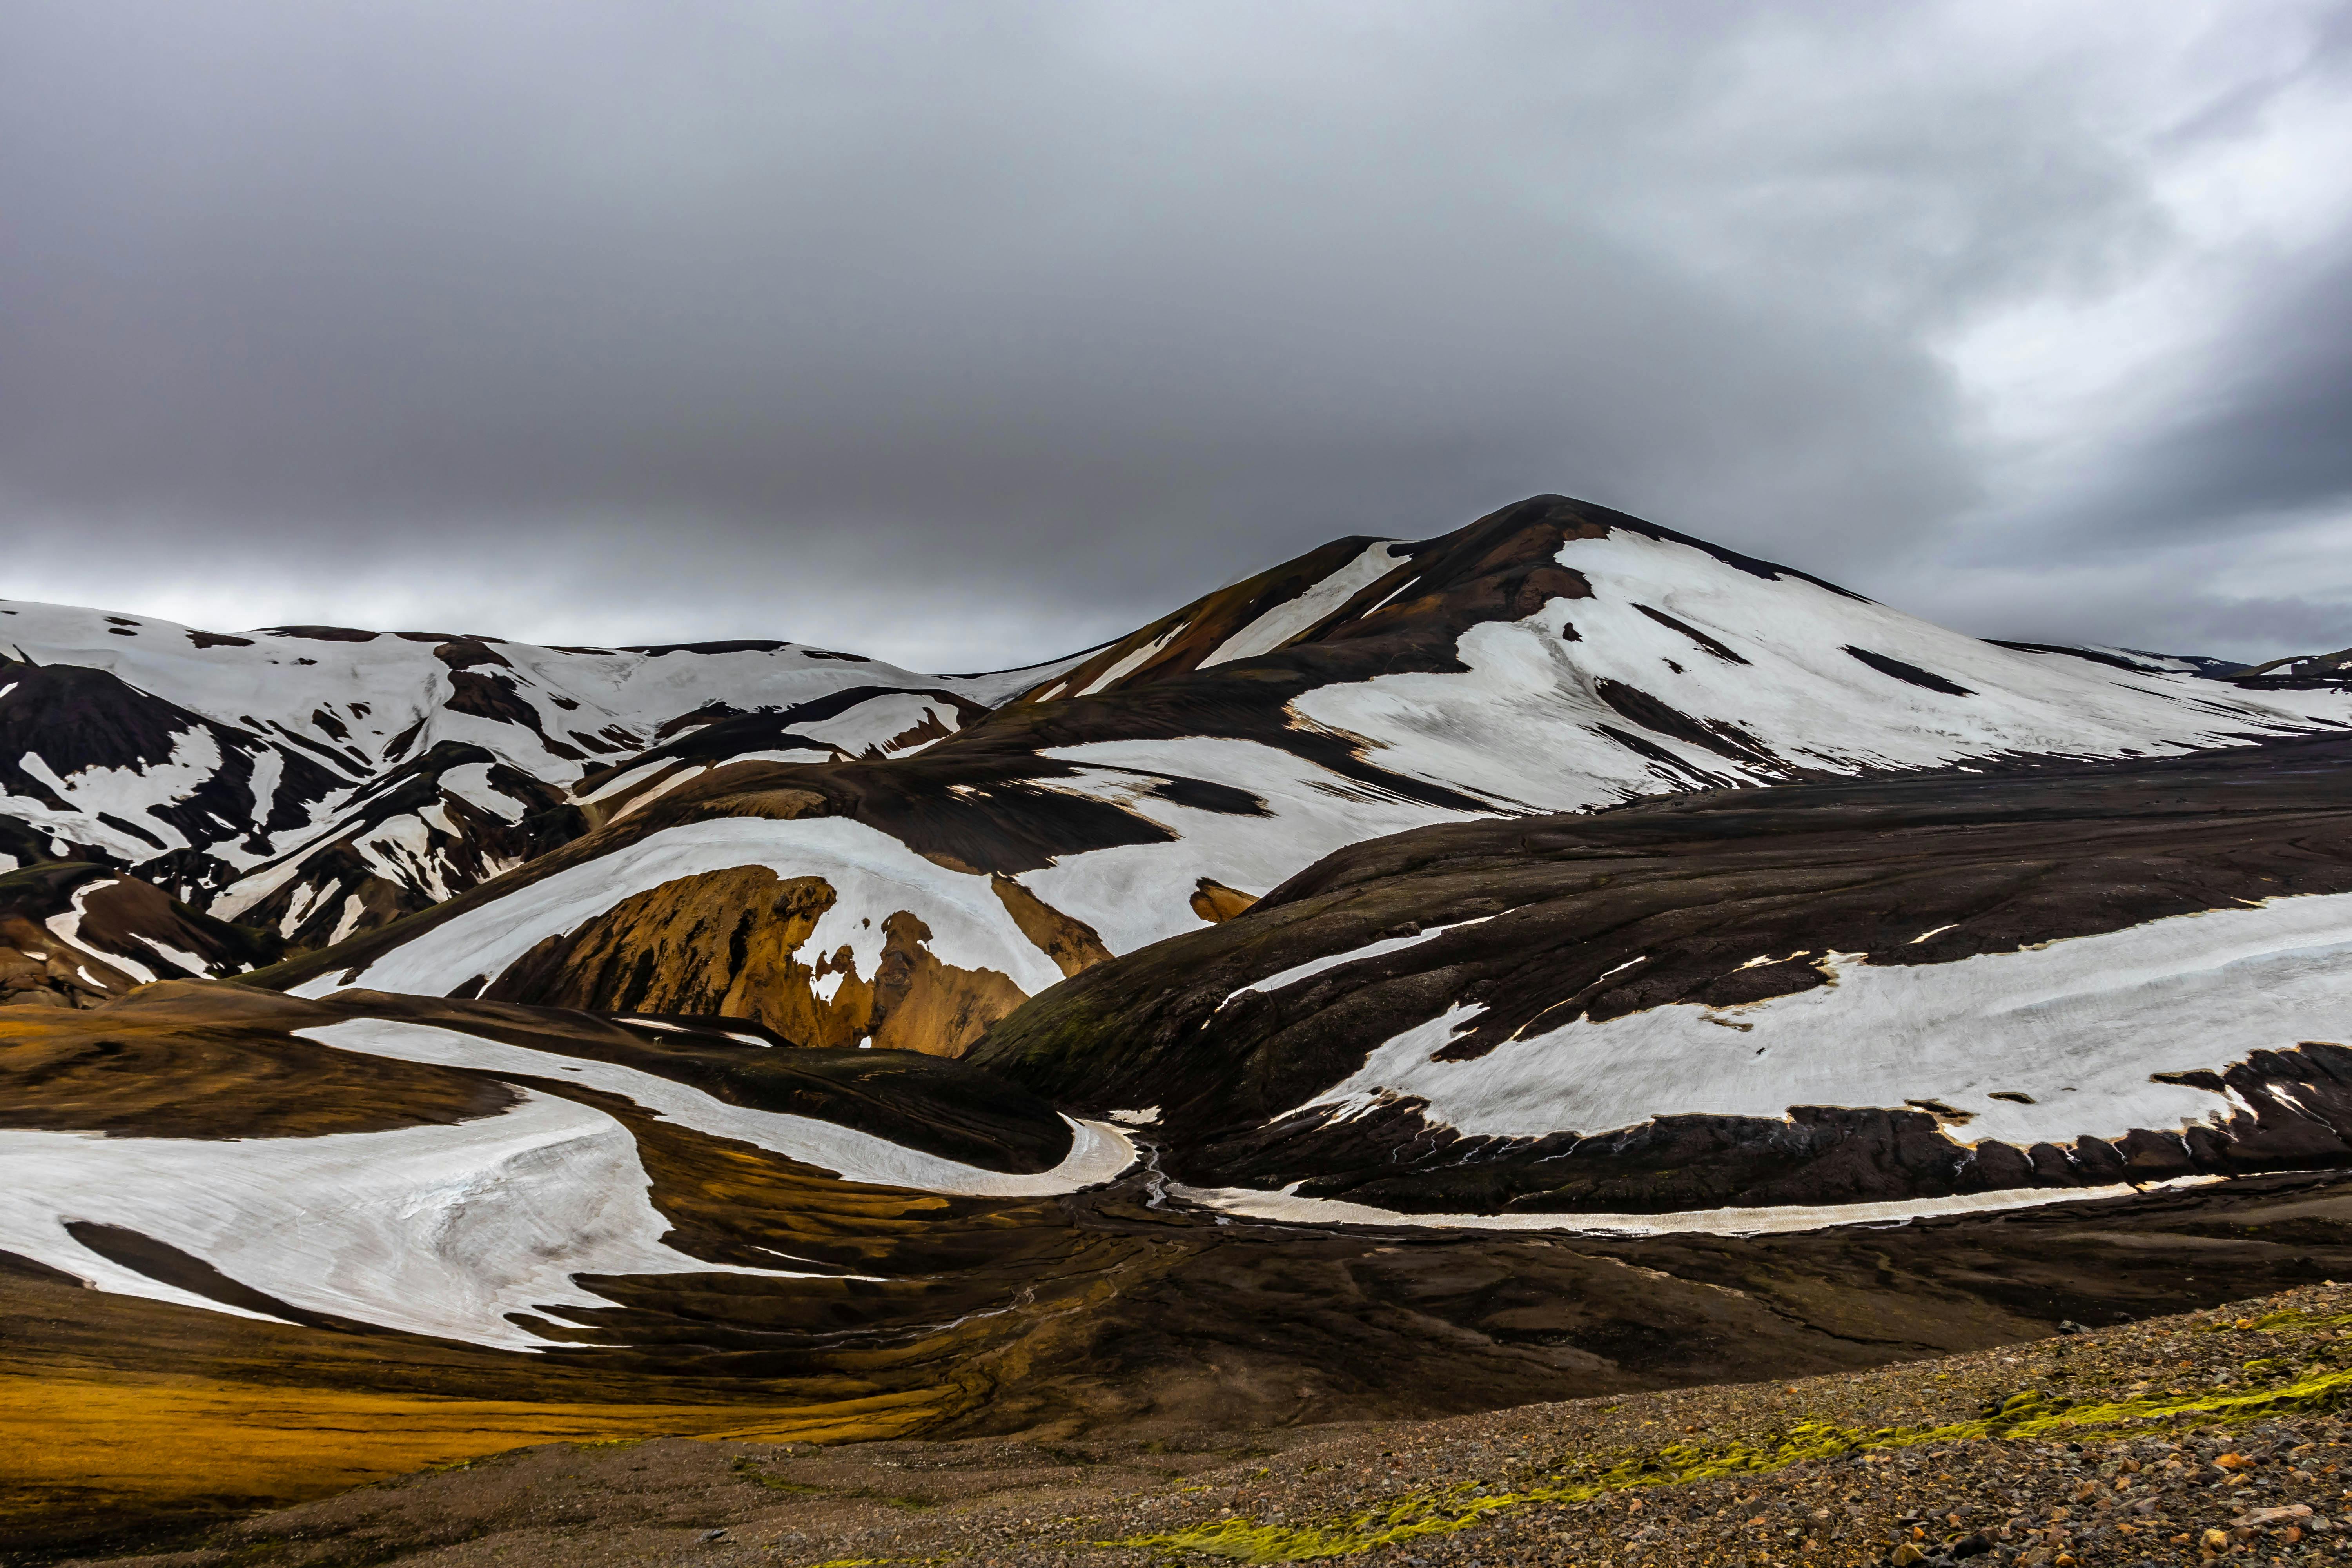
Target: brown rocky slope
2213, 1436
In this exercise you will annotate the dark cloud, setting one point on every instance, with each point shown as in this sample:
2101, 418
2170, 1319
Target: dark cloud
945, 329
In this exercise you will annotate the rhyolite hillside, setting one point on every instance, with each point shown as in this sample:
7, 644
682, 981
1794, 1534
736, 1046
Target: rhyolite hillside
472, 1043
846, 852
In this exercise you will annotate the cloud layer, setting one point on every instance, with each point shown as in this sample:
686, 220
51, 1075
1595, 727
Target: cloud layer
964, 335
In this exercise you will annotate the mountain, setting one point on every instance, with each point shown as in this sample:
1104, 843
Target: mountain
74, 934
1958, 987
414, 1045
846, 852
1553, 657
323, 780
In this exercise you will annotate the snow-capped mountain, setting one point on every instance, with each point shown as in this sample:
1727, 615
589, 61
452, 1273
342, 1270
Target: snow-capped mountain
320, 781
1553, 657
852, 851
1559, 870
1962, 986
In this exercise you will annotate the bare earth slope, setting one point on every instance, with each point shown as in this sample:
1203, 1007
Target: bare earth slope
1556, 959
2214, 1436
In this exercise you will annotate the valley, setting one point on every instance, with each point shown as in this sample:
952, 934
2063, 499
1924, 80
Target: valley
1557, 960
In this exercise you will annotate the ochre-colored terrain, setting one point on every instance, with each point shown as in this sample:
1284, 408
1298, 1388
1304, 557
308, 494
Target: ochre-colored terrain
2215, 1436
748, 1103
1112, 1318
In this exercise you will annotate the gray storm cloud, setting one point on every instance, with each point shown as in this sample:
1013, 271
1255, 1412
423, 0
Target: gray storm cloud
967, 333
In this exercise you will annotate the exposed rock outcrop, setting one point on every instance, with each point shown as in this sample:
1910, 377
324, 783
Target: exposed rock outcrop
728, 944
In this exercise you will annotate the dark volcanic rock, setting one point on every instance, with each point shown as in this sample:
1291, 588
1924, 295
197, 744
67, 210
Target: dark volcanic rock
1669, 903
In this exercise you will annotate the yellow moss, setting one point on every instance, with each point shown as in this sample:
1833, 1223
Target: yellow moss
2278, 1321
2022, 1415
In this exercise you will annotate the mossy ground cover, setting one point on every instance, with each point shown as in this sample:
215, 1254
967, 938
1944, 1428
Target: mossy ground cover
2027, 1415
1833, 1469
2300, 1373
2145, 1442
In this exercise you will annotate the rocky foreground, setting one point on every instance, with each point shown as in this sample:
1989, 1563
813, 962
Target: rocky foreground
2220, 1434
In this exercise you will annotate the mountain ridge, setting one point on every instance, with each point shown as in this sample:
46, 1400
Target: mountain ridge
1543, 959
1165, 778
1525, 676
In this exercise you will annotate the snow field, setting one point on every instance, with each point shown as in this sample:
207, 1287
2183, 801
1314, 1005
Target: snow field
441, 1230
1137, 893
434, 1230
2077, 1026
1097, 1152
1517, 729
125, 793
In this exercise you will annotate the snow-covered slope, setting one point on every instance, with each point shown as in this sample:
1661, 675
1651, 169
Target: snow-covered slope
320, 783
323, 780
2046, 1045
1678, 669
74, 934
1554, 657
1908, 986
445, 1231
497, 1221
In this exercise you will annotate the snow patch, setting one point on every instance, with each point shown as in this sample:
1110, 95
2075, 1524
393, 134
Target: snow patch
435, 1230
1286, 1205
349, 921
1292, 616
2078, 1023
185, 959
1137, 893
1128, 664
1097, 1152
873, 725
1314, 966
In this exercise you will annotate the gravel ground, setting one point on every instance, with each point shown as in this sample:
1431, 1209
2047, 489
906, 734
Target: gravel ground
2187, 1439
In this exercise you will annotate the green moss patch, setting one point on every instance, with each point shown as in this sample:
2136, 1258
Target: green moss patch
2027, 1415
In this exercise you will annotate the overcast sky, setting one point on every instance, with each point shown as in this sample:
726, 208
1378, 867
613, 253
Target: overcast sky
966, 333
